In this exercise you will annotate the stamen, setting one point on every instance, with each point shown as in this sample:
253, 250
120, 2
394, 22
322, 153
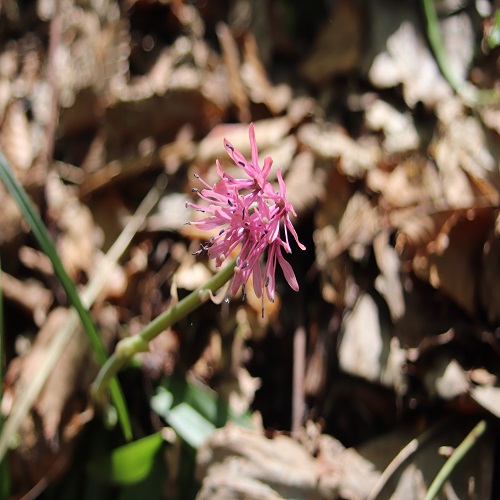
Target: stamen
196, 175
243, 293
229, 146
195, 190
241, 163
221, 231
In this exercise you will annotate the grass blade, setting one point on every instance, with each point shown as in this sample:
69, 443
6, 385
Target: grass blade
41, 234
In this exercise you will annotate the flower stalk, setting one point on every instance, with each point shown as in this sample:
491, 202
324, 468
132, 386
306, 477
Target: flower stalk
129, 346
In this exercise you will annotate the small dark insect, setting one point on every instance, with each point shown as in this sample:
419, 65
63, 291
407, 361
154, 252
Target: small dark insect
204, 247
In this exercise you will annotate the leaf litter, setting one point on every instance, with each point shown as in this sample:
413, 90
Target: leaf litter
396, 184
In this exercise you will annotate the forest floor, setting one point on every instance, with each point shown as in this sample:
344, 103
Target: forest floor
384, 120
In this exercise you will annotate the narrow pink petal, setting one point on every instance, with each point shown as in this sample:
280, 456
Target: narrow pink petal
270, 273
288, 272
253, 145
257, 279
266, 169
281, 183
290, 227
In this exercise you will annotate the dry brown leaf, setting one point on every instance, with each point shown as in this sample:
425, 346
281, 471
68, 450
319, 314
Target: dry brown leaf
451, 262
488, 397
417, 230
446, 379
337, 48
77, 239
400, 54
303, 173
42, 439
12, 220
231, 59
255, 78
489, 282
413, 182
29, 294
16, 138
388, 282
246, 463
462, 155
354, 159
268, 133
400, 133
366, 348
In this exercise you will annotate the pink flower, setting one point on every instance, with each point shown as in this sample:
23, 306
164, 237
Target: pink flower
250, 213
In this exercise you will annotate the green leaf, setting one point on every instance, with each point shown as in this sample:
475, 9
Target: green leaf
494, 34
190, 425
193, 412
130, 463
42, 235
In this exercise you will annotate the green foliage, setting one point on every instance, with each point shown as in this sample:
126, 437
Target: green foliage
193, 412
42, 235
128, 464
493, 37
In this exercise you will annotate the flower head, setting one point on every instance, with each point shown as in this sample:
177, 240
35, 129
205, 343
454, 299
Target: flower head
251, 215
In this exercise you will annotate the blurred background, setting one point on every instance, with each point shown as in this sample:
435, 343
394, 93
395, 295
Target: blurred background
384, 118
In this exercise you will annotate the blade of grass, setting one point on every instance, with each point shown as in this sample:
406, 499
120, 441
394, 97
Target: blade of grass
4, 466
44, 240
88, 296
460, 451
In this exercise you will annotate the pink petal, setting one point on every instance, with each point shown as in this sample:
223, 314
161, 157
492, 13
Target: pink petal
253, 145
288, 272
257, 279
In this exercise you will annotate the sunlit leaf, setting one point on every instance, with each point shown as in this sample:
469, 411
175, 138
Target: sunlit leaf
129, 463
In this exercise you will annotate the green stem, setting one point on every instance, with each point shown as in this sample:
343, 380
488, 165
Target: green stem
455, 458
470, 94
129, 346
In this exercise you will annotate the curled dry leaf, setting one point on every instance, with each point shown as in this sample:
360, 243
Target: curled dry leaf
354, 159
463, 156
29, 294
412, 182
16, 138
450, 262
43, 436
243, 462
400, 133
